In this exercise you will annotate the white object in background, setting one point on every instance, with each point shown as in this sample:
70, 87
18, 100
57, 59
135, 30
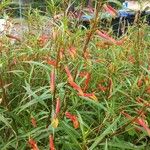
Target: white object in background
5, 26
3, 23
136, 5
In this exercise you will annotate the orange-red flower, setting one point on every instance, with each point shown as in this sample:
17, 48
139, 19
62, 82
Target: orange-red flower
51, 62
51, 143
76, 87
57, 110
72, 83
73, 118
105, 36
110, 10
52, 81
70, 78
139, 121
61, 53
72, 51
86, 55
148, 90
131, 59
33, 144
90, 95
87, 75
33, 121
43, 39
102, 88
140, 82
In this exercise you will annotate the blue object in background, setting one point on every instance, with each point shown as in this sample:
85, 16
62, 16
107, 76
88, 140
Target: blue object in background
124, 13
87, 17
125, 5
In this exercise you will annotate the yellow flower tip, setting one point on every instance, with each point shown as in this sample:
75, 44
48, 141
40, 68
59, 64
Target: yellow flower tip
55, 122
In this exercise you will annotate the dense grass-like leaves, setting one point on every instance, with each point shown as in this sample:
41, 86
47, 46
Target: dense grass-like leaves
55, 96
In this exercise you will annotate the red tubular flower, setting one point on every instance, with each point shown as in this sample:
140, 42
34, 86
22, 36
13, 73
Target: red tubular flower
51, 62
57, 107
148, 90
102, 88
107, 37
73, 118
43, 39
71, 82
51, 143
110, 10
61, 53
87, 75
86, 55
76, 87
142, 123
33, 121
90, 95
70, 78
138, 121
33, 144
140, 82
52, 81
72, 52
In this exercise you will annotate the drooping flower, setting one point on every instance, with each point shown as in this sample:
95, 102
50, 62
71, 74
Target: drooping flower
105, 36
33, 144
72, 83
91, 96
76, 87
51, 143
73, 118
